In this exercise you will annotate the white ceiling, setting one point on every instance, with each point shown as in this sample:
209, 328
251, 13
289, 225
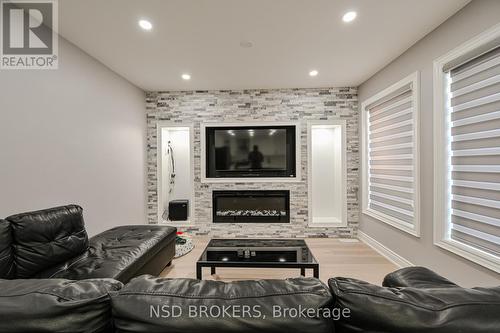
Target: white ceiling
290, 37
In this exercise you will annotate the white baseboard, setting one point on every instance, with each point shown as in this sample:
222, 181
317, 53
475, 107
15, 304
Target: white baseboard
392, 256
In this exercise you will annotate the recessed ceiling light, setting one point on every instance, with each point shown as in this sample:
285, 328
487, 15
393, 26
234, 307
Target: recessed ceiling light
349, 16
246, 44
313, 73
186, 77
145, 24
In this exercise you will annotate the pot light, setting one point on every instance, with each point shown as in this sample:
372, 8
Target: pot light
145, 25
246, 44
313, 73
349, 16
186, 77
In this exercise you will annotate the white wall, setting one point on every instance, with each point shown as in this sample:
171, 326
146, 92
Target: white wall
73, 135
470, 21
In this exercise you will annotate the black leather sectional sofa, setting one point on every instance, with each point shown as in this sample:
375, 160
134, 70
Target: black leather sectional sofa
84, 290
53, 243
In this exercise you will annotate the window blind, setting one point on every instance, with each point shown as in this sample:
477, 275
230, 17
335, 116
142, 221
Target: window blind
475, 152
391, 158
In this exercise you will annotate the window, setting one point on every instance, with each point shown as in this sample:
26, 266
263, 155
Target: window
467, 150
390, 155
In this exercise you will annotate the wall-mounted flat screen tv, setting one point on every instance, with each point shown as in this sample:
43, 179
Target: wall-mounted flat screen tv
250, 151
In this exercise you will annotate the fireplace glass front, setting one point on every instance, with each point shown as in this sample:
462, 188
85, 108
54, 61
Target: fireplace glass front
251, 206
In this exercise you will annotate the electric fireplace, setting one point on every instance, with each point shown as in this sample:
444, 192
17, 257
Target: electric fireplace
244, 206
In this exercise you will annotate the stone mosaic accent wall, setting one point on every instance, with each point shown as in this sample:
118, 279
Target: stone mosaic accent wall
300, 105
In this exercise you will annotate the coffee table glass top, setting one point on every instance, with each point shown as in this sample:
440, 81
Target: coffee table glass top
276, 251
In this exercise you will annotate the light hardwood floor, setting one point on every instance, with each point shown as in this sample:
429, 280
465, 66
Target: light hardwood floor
336, 258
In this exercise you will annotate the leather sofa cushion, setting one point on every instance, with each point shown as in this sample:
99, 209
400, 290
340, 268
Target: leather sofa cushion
135, 305
412, 310
56, 305
47, 237
416, 277
117, 253
6, 252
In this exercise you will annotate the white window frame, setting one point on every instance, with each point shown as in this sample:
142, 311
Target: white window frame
401, 225
442, 162
343, 186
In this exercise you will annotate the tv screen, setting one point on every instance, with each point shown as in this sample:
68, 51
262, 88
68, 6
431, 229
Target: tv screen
251, 151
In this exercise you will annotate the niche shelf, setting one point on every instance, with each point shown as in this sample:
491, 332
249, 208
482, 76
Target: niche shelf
175, 169
327, 173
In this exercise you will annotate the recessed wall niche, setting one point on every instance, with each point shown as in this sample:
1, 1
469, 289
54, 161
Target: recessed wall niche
175, 166
327, 173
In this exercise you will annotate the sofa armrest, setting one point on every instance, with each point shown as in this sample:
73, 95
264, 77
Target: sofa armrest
415, 310
416, 277
56, 305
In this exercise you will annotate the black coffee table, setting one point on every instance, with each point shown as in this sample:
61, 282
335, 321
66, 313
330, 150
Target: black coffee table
257, 253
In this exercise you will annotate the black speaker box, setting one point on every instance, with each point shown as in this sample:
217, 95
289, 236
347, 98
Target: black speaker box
178, 210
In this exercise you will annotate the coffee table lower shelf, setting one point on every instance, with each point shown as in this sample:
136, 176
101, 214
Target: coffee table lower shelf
214, 265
